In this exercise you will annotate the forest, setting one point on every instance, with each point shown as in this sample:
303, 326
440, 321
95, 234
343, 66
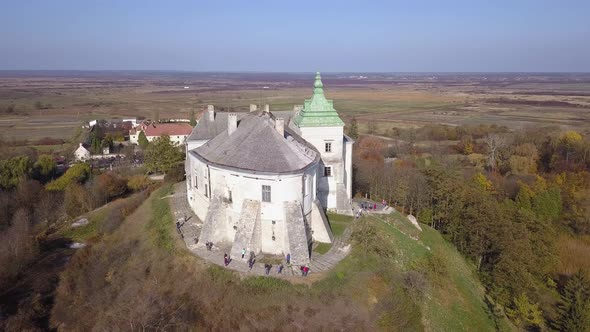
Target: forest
515, 203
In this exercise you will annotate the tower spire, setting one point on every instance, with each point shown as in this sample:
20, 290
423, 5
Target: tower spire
318, 86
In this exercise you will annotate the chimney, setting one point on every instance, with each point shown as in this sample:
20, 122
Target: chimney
253, 107
232, 123
267, 108
211, 111
280, 126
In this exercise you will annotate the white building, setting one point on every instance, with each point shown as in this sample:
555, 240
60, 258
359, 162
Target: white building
178, 132
81, 153
261, 181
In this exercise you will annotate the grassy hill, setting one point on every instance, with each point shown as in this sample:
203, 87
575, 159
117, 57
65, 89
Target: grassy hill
456, 300
142, 277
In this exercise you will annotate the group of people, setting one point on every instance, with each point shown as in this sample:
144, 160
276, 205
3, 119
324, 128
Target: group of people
209, 245
268, 267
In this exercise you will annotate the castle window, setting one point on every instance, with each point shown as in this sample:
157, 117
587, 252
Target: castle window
206, 190
196, 182
327, 171
328, 147
265, 193
229, 198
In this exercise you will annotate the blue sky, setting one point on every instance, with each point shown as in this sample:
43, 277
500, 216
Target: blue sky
331, 36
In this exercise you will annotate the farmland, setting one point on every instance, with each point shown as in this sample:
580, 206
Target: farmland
53, 104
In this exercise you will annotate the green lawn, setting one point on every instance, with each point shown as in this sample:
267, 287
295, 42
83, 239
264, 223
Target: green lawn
322, 248
456, 299
162, 222
338, 222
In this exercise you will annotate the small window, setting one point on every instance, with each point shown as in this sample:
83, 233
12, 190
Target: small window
229, 198
328, 147
266, 193
197, 182
327, 171
206, 190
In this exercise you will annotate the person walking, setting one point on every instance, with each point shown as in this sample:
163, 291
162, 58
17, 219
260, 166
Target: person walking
250, 262
280, 268
243, 252
226, 259
305, 271
288, 259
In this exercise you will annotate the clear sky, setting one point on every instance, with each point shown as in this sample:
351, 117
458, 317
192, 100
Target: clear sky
285, 36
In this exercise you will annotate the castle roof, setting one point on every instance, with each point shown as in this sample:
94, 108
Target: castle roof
318, 111
207, 129
257, 146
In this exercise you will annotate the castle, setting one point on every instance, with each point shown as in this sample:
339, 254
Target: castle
262, 180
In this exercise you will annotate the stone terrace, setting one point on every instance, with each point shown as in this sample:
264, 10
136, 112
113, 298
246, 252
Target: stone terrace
190, 229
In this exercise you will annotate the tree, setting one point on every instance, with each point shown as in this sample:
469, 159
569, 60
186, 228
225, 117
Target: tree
525, 312
353, 129
162, 155
14, 170
193, 121
494, 142
142, 140
76, 200
107, 142
574, 309
17, 246
466, 145
45, 166
569, 140
482, 182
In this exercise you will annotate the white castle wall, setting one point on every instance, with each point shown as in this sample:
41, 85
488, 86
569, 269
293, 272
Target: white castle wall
248, 185
318, 137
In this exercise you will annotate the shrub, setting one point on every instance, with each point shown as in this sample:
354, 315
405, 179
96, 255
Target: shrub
76, 174
138, 182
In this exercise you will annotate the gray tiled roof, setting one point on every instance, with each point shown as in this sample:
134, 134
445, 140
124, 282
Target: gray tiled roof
207, 129
257, 146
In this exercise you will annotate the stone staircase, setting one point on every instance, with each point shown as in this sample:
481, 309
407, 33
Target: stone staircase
246, 233
340, 249
296, 234
214, 225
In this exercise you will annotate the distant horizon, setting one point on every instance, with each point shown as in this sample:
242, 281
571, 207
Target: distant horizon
287, 72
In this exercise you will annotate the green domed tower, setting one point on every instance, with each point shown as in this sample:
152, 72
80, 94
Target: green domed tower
318, 111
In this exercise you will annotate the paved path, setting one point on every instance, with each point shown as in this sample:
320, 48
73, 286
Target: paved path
190, 228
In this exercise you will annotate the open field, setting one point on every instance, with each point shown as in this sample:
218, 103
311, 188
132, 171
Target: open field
52, 104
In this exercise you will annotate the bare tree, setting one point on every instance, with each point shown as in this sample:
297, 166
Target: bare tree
494, 142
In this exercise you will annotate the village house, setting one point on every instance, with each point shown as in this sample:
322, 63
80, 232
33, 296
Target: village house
82, 153
178, 132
